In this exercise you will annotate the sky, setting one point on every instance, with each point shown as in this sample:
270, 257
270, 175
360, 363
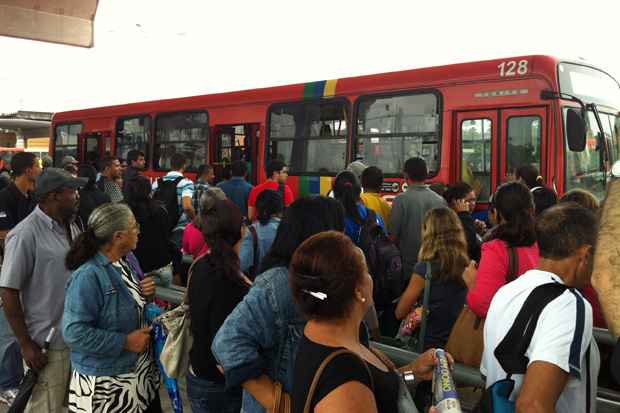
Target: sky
152, 49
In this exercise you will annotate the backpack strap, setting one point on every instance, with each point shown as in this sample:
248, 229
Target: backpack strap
254, 249
425, 306
513, 264
510, 352
324, 363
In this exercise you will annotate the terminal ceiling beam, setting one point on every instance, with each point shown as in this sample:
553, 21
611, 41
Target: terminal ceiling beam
57, 21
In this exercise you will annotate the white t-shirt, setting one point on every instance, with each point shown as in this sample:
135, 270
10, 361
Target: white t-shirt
562, 337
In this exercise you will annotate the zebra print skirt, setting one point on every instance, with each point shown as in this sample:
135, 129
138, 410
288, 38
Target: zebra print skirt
131, 392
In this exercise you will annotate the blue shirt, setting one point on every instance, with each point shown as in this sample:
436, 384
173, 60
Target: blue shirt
266, 234
237, 189
353, 229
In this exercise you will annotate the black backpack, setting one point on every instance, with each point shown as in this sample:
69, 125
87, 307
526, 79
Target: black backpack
166, 193
384, 262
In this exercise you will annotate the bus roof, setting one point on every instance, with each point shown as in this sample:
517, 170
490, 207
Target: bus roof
436, 76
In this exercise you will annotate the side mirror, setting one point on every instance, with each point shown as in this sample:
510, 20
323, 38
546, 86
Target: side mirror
575, 130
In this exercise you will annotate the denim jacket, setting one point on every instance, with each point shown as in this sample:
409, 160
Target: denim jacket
261, 335
99, 313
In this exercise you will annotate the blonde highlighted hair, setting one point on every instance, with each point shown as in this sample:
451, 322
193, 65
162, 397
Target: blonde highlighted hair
443, 242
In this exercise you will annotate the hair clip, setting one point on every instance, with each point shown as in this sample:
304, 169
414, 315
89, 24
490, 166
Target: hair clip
319, 295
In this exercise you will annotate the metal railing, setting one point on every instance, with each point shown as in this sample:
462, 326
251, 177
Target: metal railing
608, 400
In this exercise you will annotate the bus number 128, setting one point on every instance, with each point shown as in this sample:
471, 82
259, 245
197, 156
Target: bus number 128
513, 68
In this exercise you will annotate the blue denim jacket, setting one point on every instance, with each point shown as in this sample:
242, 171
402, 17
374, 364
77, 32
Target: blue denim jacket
266, 234
261, 335
99, 313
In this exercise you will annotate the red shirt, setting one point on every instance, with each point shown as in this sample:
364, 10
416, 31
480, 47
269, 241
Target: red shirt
492, 272
273, 185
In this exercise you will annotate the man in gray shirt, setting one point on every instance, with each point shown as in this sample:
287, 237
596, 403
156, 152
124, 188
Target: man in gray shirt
408, 212
32, 284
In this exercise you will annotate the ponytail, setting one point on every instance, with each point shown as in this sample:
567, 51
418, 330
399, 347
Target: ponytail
83, 249
347, 190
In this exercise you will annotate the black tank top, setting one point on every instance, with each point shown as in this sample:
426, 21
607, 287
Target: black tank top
342, 369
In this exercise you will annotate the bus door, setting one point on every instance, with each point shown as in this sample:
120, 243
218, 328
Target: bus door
93, 146
523, 141
234, 143
476, 151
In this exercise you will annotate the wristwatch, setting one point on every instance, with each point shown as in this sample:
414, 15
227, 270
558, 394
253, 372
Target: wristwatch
408, 376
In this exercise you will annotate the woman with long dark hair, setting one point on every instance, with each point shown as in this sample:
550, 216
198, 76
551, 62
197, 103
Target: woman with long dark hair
216, 285
154, 249
514, 235
103, 320
90, 195
257, 343
347, 190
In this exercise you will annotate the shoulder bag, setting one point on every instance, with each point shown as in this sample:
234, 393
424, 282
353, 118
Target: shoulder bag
466, 341
176, 323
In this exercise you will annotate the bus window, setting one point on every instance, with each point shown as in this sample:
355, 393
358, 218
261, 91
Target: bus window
392, 129
185, 132
476, 155
133, 133
65, 141
310, 137
523, 142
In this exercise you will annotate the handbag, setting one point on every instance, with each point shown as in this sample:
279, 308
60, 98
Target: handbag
466, 340
417, 317
174, 357
281, 400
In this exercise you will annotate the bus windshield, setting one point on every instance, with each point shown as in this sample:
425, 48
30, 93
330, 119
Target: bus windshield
588, 169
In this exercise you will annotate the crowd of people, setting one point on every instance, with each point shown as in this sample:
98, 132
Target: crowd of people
273, 278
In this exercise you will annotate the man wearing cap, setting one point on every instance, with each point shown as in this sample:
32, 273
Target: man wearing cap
70, 164
16, 203
32, 284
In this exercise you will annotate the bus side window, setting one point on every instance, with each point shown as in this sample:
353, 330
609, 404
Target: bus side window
523, 142
476, 155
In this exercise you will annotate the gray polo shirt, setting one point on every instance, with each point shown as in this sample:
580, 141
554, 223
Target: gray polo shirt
406, 220
34, 264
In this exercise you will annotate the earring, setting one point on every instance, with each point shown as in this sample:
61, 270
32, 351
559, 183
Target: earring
363, 299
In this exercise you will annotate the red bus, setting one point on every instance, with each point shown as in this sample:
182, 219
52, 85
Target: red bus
473, 121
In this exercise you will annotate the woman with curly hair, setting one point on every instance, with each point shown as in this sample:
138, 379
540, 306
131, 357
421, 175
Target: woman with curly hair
444, 249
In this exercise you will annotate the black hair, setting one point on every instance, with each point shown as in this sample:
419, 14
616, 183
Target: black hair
239, 168
416, 169
563, 228
529, 175
582, 197
302, 219
89, 172
274, 165
107, 161
347, 190
133, 155
327, 263
268, 203
513, 202
372, 178
203, 168
138, 197
543, 198
456, 191
221, 228
22, 161
177, 161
